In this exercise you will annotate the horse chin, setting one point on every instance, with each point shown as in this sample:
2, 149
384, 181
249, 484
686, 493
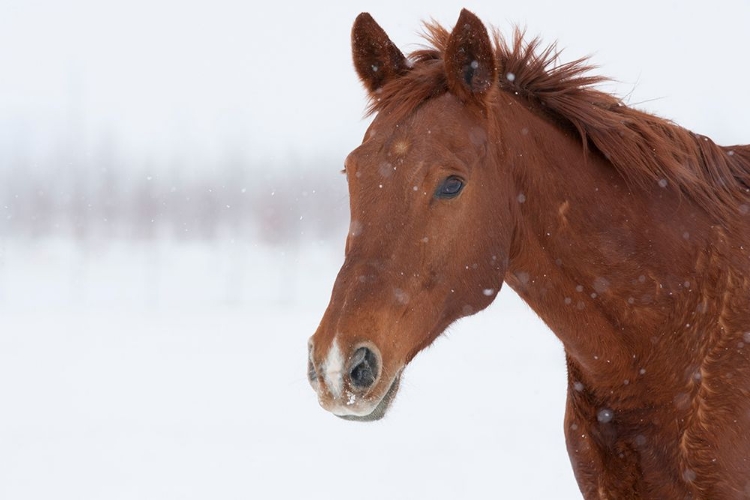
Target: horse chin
382, 407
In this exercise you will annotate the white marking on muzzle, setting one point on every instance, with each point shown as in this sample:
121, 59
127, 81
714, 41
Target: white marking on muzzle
334, 370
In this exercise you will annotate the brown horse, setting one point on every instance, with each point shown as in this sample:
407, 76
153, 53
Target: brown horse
628, 235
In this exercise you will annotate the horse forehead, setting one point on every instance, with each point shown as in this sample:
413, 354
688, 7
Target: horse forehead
425, 141
385, 146
444, 114
432, 133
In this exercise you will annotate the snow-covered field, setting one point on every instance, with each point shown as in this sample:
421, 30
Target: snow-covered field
164, 371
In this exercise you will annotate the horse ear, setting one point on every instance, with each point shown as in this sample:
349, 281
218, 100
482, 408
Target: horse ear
376, 58
470, 63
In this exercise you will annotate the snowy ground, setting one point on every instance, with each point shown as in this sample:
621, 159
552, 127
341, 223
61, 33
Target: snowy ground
165, 371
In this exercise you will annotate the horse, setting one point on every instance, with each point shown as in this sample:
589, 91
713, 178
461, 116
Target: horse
488, 162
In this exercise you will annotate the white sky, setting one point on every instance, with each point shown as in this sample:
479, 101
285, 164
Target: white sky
168, 79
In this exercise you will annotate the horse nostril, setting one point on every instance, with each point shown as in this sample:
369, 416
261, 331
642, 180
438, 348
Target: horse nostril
364, 368
312, 374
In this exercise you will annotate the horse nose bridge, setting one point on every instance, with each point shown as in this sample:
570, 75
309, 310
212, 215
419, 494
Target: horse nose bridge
373, 280
372, 300
359, 283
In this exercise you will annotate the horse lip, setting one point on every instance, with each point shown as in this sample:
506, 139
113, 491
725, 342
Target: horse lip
382, 407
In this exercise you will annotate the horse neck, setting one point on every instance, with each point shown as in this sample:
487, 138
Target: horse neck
610, 268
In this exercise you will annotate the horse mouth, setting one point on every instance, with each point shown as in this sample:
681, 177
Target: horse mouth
382, 407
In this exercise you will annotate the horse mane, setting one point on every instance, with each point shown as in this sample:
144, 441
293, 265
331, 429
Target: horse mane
647, 150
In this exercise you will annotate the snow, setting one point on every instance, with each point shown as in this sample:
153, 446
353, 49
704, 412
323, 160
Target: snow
604, 415
165, 370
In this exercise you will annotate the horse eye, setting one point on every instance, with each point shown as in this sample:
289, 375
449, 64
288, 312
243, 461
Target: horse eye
450, 188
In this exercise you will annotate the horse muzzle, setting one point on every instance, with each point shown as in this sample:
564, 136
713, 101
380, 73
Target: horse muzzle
353, 386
